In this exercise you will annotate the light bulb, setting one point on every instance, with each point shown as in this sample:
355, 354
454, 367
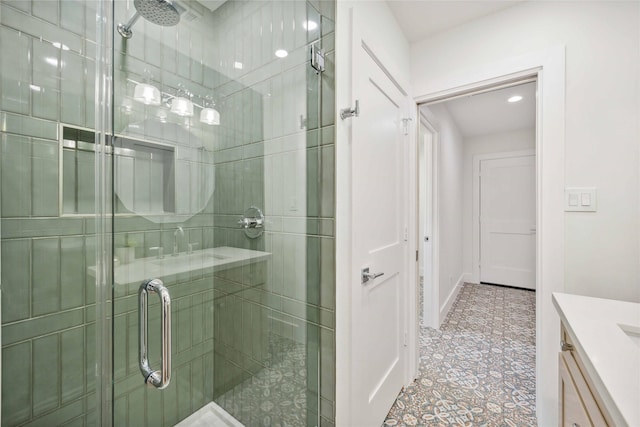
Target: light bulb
147, 94
210, 116
182, 106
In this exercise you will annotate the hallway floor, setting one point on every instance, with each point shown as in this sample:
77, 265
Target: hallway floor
479, 368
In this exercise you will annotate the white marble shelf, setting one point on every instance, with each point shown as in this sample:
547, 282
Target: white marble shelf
605, 333
216, 259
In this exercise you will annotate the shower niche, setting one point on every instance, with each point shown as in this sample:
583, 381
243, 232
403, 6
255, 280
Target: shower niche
162, 181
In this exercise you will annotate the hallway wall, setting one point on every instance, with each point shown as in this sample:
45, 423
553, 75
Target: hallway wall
602, 250
450, 205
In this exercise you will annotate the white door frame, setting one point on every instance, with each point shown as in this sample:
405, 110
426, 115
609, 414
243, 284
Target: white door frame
431, 304
475, 236
548, 66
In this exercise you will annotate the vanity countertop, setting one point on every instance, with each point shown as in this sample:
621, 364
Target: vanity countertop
606, 334
216, 259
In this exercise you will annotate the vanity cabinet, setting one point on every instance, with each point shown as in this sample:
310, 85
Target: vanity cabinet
578, 399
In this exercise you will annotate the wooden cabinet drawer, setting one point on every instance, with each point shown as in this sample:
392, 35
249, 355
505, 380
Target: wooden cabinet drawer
577, 405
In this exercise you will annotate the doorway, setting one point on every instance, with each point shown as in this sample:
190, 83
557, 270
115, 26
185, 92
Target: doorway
466, 132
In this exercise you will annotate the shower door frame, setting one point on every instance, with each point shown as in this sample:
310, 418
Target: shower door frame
104, 90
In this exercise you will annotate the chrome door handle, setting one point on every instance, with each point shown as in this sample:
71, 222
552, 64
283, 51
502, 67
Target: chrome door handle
159, 379
366, 276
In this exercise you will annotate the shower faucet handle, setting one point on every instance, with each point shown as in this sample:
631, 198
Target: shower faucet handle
250, 222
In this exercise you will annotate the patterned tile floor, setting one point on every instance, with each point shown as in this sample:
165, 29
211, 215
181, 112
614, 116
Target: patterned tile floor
276, 396
479, 368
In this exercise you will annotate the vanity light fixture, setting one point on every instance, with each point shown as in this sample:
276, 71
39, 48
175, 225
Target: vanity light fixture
210, 116
181, 106
147, 94
515, 98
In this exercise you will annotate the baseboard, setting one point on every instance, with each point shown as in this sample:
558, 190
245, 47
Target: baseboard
444, 310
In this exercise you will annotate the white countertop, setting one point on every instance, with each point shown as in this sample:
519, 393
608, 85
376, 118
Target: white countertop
216, 259
611, 356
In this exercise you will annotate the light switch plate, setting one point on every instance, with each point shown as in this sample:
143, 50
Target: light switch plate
580, 199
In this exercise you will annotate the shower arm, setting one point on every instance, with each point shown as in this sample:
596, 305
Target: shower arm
125, 29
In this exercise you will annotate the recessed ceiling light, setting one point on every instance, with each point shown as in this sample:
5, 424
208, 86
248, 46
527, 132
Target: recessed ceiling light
281, 53
515, 98
238, 65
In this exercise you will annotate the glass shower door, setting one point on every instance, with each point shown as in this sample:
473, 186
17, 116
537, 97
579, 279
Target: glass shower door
222, 160
164, 125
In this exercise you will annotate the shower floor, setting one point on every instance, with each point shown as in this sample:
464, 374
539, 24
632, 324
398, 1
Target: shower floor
210, 415
277, 395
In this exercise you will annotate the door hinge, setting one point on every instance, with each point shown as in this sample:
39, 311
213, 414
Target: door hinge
317, 58
406, 337
345, 113
416, 255
406, 234
405, 125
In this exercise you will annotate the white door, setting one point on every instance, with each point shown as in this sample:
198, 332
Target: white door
508, 221
378, 224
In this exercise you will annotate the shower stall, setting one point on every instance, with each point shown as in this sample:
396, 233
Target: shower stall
167, 212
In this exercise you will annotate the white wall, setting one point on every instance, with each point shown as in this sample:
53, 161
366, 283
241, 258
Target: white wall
450, 204
485, 144
602, 109
386, 39
590, 52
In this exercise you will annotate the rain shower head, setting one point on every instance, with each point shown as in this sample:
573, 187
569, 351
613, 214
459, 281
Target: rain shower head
161, 12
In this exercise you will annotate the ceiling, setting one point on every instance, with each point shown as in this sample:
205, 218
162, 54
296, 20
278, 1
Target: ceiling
488, 113
212, 4
422, 18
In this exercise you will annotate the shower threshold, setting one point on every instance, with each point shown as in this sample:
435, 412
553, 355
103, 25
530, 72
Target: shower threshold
210, 415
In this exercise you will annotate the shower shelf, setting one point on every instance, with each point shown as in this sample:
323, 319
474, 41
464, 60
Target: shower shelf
212, 259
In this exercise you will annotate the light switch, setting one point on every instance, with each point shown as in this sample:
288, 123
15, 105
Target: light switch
580, 199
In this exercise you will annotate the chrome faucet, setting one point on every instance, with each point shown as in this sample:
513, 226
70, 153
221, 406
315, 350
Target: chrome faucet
175, 239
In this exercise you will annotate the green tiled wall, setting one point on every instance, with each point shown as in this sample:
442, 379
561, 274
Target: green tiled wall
265, 155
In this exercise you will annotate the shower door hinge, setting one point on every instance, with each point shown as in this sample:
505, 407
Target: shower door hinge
317, 58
